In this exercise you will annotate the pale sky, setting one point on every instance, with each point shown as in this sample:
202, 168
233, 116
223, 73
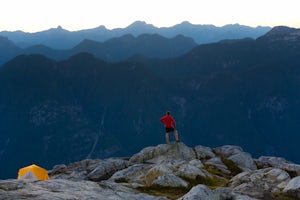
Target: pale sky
38, 15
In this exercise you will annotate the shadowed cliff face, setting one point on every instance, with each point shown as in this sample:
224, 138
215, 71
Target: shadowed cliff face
242, 92
167, 171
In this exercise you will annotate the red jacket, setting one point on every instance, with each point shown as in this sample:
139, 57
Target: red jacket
168, 121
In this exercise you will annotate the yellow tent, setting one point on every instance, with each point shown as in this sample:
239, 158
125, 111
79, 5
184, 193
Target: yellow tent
33, 172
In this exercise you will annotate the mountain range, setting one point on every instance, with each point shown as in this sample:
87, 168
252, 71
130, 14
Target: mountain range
243, 92
59, 38
115, 49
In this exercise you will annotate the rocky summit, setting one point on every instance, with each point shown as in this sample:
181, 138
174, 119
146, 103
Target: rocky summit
167, 171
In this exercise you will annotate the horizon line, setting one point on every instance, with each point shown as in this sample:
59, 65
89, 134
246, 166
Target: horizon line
141, 21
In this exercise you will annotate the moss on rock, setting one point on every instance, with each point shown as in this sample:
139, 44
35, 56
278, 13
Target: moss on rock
233, 168
169, 192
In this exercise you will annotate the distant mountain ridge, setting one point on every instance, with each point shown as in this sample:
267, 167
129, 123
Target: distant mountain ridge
115, 49
8, 49
59, 38
149, 45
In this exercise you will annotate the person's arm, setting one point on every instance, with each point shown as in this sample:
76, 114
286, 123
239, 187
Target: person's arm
162, 119
173, 122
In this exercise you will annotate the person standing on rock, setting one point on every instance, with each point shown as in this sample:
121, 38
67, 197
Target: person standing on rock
170, 125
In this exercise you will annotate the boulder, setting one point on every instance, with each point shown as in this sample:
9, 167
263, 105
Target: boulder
59, 169
278, 162
107, 168
199, 192
261, 183
11, 185
202, 192
293, 188
95, 170
236, 154
269, 161
217, 164
227, 193
171, 163
292, 169
164, 151
154, 173
170, 180
228, 150
132, 174
203, 152
190, 172
119, 191
196, 163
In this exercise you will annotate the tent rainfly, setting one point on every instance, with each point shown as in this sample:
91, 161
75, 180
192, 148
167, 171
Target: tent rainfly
33, 172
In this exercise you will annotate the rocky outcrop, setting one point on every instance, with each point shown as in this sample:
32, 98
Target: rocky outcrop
268, 161
202, 192
261, 183
163, 152
293, 188
203, 152
95, 170
236, 154
166, 166
69, 190
167, 171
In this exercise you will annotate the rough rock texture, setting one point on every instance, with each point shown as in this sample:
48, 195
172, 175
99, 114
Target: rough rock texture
293, 188
164, 151
61, 189
261, 183
95, 170
268, 161
191, 172
203, 152
236, 154
167, 171
217, 163
170, 180
199, 192
202, 192
166, 174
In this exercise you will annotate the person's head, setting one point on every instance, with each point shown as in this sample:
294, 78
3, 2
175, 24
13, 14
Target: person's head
168, 113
